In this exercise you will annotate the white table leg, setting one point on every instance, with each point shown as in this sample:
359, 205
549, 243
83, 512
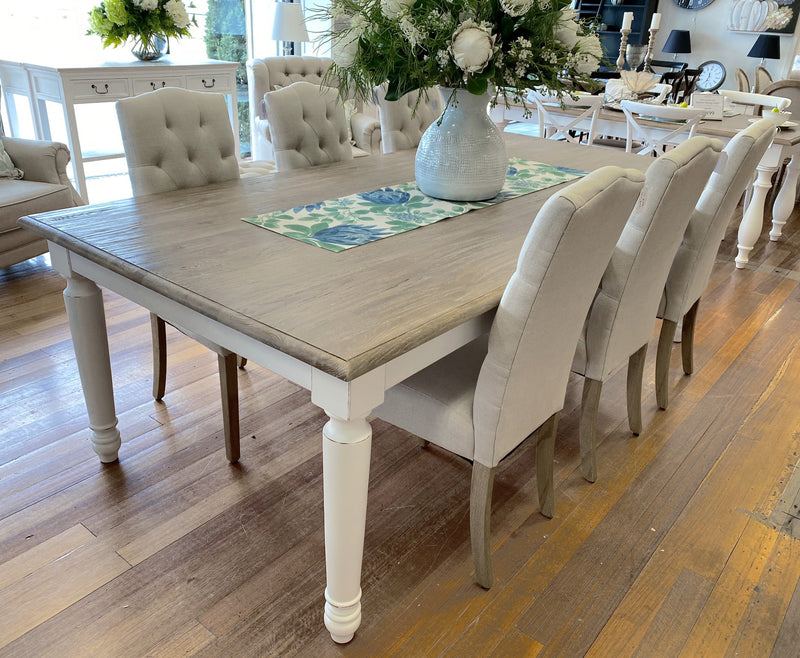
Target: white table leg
346, 447
750, 228
784, 202
87, 324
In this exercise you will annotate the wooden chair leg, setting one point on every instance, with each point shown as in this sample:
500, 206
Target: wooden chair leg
480, 510
635, 375
158, 328
687, 338
229, 388
590, 403
545, 449
662, 362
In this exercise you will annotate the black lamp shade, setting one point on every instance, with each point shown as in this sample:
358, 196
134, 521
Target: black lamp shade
767, 46
678, 41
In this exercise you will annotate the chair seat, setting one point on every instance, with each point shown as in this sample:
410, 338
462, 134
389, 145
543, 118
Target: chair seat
436, 403
23, 197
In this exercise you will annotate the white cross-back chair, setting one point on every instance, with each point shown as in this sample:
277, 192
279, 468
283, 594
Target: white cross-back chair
555, 125
485, 399
620, 322
680, 122
752, 103
691, 267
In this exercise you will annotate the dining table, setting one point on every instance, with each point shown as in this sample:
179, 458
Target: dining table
786, 145
345, 325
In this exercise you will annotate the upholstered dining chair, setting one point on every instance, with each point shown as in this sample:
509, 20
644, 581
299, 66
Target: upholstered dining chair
307, 125
403, 121
652, 139
173, 139
485, 399
620, 321
554, 125
742, 81
691, 267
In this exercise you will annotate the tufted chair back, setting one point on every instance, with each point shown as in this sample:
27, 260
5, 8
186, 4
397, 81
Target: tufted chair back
271, 73
177, 138
308, 126
403, 121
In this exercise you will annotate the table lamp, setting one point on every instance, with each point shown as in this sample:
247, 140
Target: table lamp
289, 26
678, 41
767, 46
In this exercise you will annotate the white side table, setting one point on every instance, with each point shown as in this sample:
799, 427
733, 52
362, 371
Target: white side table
105, 82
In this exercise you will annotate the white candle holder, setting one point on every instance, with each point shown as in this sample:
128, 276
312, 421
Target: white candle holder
623, 42
650, 45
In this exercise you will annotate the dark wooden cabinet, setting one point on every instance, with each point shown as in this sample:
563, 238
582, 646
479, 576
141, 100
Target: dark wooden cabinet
608, 16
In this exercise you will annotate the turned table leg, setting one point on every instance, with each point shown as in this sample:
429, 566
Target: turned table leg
784, 202
753, 218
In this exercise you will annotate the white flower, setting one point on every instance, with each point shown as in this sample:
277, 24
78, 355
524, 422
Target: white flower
590, 52
395, 8
410, 31
567, 31
177, 12
147, 5
516, 7
472, 46
358, 25
344, 48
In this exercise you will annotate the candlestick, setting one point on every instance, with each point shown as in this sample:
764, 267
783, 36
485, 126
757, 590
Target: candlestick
650, 45
623, 41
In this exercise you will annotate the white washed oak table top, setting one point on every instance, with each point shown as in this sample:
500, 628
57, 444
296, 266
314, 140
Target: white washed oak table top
342, 312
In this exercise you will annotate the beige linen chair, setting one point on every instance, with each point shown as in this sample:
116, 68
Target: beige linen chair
174, 139
483, 400
272, 73
307, 124
404, 121
622, 316
691, 268
554, 125
762, 80
652, 139
742, 81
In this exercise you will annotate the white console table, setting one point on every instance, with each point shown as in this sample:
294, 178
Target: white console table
104, 82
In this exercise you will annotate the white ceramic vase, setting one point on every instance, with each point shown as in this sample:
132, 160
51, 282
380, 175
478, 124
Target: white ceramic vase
462, 155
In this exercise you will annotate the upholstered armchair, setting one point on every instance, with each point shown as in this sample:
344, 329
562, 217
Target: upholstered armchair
405, 120
271, 73
44, 187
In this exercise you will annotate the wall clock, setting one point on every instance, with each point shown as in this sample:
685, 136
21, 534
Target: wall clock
693, 4
711, 77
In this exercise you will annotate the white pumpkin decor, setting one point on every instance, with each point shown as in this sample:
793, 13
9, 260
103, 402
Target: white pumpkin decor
752, 15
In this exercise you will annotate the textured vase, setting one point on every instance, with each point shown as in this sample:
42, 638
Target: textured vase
148, 47
462, 155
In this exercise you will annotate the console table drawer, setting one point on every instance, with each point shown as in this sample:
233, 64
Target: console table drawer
100, 89
210, 82
143, 85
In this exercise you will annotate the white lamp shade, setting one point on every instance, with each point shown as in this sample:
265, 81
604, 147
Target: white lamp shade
289, 24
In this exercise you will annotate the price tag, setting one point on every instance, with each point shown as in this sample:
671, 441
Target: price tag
713, 104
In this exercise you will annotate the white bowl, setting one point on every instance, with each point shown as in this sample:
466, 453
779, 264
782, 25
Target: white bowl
778, 117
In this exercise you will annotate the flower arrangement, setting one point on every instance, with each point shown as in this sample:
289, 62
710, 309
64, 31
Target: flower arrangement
116, 21
513, 45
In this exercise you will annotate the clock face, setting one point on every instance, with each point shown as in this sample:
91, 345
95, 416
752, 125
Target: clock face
692, 4
711, 77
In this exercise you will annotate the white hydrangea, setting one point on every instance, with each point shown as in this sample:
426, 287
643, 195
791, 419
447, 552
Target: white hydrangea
395, 8
147, 5
177, 12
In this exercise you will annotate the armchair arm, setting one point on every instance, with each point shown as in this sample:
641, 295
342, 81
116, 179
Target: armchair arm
42, 161
366, 132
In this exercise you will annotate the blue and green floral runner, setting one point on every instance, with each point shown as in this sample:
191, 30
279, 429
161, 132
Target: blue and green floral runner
340, 224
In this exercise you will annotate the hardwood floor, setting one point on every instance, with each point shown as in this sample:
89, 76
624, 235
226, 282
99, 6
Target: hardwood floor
683, 546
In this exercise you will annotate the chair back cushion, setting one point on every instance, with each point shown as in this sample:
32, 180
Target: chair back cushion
308, 126
523, 379
176, 138
691, 268
403, 121
624, 310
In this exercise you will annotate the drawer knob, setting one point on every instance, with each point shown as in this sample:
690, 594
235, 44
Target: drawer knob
155, 85
97, 89
209, 86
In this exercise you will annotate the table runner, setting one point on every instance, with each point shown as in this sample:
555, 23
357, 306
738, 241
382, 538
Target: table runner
339, 224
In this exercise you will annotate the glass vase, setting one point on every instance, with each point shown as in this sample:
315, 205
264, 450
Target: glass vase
148, 47
462, 155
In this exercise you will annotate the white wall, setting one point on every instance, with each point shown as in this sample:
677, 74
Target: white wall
711, 39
